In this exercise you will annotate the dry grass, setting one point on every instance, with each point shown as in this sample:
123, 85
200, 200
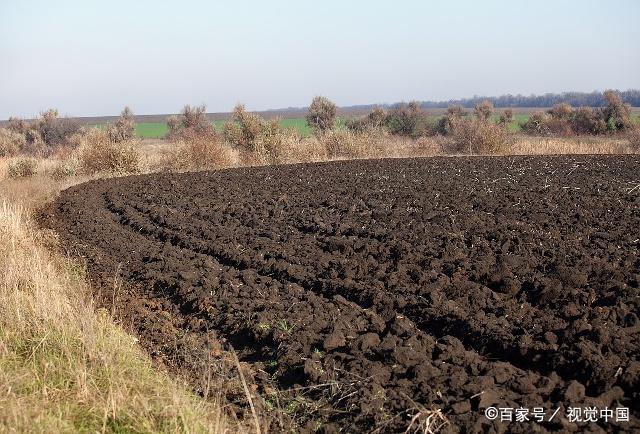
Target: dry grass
97, 153
528, 145
11, 143
259, 141
65, 366
634, 139
479, 136
22, 167
197, 153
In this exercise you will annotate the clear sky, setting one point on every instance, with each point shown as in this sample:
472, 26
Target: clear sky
89, 57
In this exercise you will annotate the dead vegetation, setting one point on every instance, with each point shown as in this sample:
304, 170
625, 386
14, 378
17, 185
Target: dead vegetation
66, 367
23, 167
564, 120
259, 141
191, 121
195, 152
322, 115
97, 153
248, 139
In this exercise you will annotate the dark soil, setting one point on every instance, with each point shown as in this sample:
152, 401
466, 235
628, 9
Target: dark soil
367, 294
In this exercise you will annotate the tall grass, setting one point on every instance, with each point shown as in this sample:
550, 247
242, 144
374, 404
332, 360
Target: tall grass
65, 366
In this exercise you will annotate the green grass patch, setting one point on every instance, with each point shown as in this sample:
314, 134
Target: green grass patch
156, 130
152, 130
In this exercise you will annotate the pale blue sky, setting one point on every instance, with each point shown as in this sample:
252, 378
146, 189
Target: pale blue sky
91, 58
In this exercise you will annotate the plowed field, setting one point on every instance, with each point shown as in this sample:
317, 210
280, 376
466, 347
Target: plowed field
383, 294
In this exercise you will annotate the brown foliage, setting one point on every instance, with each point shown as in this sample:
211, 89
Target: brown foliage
506, 117
484, 110
11, 142
192, 120
54, 130
264, 142
322, 114
375, 119
408, 120
559, 127
124, 128
99, 154
617, 114
561, 111
351, 144
587, 120
634, 139
454, 114
18, 125
537, 123
476, 136
64, 169
45, 134
22, 168
195, 152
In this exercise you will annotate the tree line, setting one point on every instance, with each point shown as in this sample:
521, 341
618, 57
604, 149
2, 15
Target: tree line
575, 99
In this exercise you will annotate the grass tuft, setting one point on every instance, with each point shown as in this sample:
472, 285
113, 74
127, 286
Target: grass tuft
65, 366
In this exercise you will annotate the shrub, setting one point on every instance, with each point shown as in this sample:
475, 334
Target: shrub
99, 154
408, 120
429, 145
559, 127
322, 114
124, 128
559, 121
11, 142
173, 124
192, 120
454, 113
506, 117
586, 120
245, 129
53, 130
476, 136
561, 111
43, 135
64, 170
195, 152
18, 125
263, 141
375, 119
537, 123
351, 144
484, 110
22, 168
35, 145
617, 114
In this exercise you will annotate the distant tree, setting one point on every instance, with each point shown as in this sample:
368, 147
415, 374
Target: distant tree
576, 99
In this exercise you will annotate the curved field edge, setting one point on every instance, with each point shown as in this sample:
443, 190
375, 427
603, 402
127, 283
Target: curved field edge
67, 367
